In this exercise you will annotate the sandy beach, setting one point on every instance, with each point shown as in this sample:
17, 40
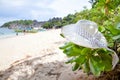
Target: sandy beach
36, 57
19, 47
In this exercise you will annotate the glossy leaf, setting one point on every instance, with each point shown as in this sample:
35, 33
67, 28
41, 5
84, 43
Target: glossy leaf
66, 45
86, 67
85, 51
93, 68
80, 59
101, 29
75, 67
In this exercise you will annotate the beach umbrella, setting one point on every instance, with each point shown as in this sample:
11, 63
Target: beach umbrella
85, 33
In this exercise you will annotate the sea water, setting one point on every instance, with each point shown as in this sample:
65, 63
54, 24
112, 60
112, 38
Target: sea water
5, 33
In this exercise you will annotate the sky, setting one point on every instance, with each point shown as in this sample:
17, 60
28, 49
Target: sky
40, 10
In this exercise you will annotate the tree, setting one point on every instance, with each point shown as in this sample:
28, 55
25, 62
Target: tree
108, 5
68, 19
53, 23
47, 25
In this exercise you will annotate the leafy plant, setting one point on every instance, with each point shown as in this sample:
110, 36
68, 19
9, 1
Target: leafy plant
97, 61
90, 60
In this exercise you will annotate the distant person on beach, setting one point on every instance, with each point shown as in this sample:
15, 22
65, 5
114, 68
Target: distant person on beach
17, 33
24, 31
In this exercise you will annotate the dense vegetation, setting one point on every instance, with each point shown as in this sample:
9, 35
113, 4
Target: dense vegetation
18, 22
53, 23
106, 13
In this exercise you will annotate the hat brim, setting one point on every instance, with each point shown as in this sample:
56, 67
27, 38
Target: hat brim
70, 33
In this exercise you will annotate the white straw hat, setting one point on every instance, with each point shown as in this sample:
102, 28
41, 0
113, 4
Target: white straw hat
85, 33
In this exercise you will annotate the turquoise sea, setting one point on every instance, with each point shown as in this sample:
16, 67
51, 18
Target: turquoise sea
5, 33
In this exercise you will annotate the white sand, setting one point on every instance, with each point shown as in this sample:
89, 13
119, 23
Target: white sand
36, 57
16, 48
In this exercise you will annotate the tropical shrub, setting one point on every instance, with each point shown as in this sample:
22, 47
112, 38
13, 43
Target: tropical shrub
106, 13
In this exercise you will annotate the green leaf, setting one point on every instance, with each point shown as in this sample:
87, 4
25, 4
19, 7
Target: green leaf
62, 35
113, 30
102, 50
66, 45
75, 67
69, 51
116, 37
70, 60
98, 62
76, 49
81, 59
118, 26
86, 67
85, 51
93, 68
101, 29
107, 61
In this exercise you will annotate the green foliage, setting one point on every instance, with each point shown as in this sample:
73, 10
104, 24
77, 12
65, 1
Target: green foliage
27, 31
90, 60
47, 25
111, 4
53, 23
20, 22
96, 61
32, 31
6, 25
25, 22
18, 30
68, 19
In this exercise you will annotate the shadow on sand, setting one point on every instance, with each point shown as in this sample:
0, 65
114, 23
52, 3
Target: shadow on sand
42, 68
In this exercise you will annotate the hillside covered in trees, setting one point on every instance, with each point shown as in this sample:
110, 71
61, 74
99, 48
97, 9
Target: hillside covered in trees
54, 22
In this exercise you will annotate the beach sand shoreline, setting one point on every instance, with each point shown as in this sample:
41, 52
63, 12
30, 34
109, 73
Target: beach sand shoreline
36, 57
19, 47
